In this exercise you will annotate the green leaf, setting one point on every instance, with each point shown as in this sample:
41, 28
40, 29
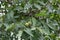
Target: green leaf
43, 31
29, 32
10, 15
33, 22
11, 27
42, 13
19, 34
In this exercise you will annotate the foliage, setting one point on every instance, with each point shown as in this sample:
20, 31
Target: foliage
30, 20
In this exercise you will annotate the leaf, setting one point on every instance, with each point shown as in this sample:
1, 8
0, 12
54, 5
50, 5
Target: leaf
29, 32
53, 25
34, 22
10, 15
19, 34
42, 13
11, 27
37, 6
43, 31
